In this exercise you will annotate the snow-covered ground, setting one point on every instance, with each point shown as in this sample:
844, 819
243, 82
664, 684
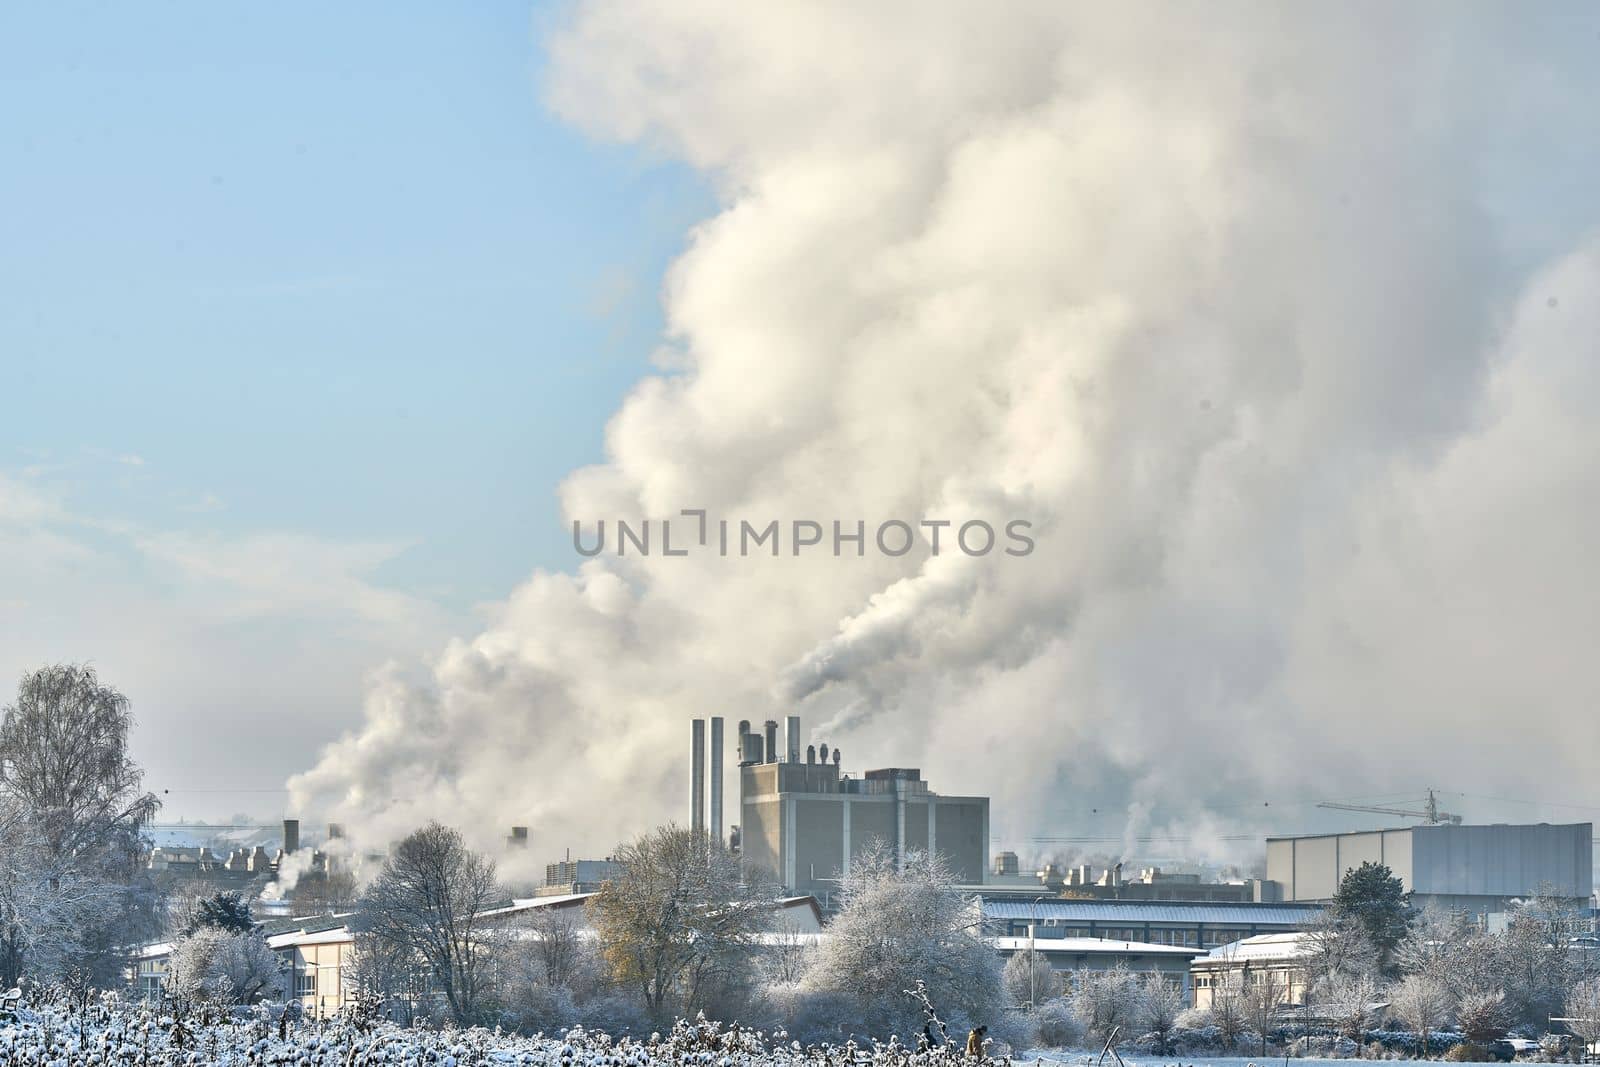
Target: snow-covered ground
1048, 1058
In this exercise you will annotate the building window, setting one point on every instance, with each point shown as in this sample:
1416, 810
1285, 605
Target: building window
305, 984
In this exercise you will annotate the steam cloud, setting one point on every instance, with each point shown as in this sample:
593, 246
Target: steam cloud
1277, 323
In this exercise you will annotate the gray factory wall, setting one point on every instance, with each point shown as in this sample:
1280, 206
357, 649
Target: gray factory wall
960, 829
1499, 861
818, 844
1309, 868
760, 835
1473, 863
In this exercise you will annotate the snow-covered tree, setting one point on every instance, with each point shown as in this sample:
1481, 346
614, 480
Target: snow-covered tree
1482, 1015
1105, 1000
65, 771
428, 899
1264, 994
786, 953
1348, 1001
1229, 1008
1029, 980
896, 926
678, 920
45, 902
1338, 947
228, 968
1160, 1003
1582, 1009
1423, 1004
1534, 966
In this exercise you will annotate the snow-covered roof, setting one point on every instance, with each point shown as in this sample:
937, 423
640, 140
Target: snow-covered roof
1123, 911
1091, 946
520, 904
1283, 946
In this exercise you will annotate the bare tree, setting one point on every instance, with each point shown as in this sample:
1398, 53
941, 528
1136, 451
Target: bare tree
1582, 1008
559, 947
1423, 1004
428, 899
1160, 1004
786, 953
1532, 960
387, 974
1228, 1008
323, 892
678, 920
1265, 992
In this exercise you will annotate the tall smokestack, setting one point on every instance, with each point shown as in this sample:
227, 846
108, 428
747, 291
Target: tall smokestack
697, 775
716, 777
291, 835
791, 733
770, 727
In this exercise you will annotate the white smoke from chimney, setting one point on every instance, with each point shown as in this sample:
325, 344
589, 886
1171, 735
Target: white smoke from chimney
1225, 305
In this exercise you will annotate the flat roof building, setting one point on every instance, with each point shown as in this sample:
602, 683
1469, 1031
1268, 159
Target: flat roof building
1191, 925
804, 822
1477, 869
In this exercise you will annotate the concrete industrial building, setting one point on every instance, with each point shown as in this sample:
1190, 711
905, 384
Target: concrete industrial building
803, 819
1476, 869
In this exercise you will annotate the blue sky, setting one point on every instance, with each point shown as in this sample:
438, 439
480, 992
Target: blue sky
329, 268
308, 309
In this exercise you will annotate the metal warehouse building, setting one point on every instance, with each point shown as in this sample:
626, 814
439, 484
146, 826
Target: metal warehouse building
1478, 869
1198, 925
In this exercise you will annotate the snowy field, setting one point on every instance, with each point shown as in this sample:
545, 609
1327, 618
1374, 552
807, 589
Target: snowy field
1047, 1057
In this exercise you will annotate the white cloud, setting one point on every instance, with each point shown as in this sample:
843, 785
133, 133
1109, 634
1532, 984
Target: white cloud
241, 653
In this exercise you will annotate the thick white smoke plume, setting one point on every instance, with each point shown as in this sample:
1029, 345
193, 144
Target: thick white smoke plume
1278, 323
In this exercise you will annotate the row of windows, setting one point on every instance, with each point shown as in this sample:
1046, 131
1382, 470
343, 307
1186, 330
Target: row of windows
1188, 937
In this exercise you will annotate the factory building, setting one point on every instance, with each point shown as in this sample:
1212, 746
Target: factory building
803, 818
1476, 869
1186, 924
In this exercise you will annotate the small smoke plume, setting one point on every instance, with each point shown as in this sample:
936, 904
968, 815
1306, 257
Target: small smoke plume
1275, 322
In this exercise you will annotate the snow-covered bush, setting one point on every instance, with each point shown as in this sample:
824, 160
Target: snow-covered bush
1056, 1025
898, 927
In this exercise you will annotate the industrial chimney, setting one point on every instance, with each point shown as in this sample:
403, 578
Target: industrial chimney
291, 835
697, 775
824, 752
792, 738
770, 728
811, 754
716, 778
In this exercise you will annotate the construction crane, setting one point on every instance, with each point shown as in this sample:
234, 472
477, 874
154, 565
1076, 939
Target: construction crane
1430, 813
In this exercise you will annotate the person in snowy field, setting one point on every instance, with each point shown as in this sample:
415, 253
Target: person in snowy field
975, 1042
